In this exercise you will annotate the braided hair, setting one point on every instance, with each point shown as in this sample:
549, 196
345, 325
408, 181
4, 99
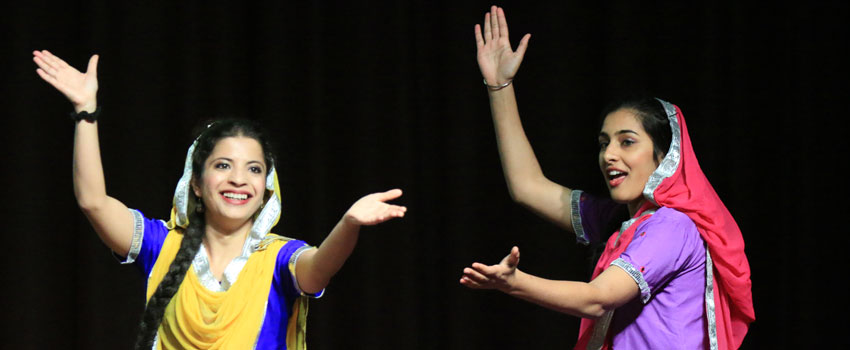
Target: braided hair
193, 234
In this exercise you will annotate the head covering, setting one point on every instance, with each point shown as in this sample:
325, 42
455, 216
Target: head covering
679, 183
183, 205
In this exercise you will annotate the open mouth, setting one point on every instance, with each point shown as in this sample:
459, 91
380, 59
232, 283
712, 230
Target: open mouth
235, 198
616, 177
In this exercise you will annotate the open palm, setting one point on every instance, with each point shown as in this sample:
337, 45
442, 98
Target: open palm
499, 276
79, 88
496, 59
373, 209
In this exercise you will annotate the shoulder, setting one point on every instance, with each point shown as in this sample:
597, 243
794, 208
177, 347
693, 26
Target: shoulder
669, 220
669, 228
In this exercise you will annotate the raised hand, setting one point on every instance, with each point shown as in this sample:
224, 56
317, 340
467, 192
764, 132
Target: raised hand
500, 276
79, 88
496, 59
373, 209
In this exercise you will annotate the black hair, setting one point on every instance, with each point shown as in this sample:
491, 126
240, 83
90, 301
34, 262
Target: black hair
652, 117
193, 234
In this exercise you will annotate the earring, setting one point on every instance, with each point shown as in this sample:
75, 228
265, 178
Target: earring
199, 206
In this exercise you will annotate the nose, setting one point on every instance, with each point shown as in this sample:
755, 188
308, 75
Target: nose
610, 154
236, 177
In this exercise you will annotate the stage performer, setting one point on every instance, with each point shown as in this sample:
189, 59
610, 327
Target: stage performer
216, 277
674, 276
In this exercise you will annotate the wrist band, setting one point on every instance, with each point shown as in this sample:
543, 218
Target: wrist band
497, 87
89, 117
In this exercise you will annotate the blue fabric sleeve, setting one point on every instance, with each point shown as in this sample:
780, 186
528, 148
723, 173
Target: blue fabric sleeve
148, 237
287, 258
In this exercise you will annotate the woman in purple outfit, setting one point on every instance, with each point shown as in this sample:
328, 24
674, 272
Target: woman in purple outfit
674, 276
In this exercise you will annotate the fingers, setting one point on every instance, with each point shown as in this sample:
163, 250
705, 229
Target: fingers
470, 283
485, 269
475, 275
512, 260
488, 33
503, 24
523, 44
44, 64
48, 78
393, 211
479, 40
92, 68
388, 195
45, 58
494, 21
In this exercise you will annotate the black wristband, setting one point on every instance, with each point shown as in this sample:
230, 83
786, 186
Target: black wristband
89, 117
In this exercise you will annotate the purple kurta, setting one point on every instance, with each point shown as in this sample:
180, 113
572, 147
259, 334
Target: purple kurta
666, 258
150, 235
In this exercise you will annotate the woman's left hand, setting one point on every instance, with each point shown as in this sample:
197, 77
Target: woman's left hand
373, 209
500, 276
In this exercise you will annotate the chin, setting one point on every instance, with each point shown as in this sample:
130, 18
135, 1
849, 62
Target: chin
619, 197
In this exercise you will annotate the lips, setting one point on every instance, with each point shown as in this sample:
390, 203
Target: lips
616, 177
236, 198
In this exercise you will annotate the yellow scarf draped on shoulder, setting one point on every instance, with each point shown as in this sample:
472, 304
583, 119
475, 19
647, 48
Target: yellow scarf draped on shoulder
197, 318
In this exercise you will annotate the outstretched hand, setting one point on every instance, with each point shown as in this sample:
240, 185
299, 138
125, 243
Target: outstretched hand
373, 209
496, 59
500, 276
79, 88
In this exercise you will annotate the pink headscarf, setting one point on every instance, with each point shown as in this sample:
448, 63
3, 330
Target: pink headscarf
679, 183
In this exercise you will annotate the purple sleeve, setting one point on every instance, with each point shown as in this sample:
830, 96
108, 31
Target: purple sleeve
148, 237
591, 215
663, 246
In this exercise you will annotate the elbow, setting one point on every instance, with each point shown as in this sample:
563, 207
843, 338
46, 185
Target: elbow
521, 193
594, 311
313, 285
527, 190
88, 204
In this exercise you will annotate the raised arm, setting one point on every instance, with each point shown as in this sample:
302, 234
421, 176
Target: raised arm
109, 217
526, 182
315, 267
611, 289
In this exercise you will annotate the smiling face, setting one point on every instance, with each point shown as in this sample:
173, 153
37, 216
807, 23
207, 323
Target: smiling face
626, 157
233, 180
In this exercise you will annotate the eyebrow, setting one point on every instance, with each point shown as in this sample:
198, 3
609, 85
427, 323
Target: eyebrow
624, 131
249, 162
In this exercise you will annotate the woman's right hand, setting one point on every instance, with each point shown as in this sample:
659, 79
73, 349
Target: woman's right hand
500, 276
79, 88
496, 59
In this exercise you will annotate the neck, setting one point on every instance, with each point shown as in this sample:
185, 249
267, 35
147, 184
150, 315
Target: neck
635, 205
225, 239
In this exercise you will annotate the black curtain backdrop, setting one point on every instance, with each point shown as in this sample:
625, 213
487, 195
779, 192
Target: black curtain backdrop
366, 96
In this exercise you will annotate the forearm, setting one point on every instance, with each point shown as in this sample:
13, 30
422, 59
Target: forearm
519, 163
108, 216
575, 298
526, 183
315, 268
89, 183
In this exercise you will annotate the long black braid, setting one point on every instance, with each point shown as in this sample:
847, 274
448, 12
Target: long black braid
193, 234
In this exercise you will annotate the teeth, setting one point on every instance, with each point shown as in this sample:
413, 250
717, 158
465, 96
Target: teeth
236, 196
614, 173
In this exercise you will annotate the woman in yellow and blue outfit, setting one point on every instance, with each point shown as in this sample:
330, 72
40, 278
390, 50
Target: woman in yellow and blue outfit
216, 277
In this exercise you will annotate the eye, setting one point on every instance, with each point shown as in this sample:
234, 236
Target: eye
627, 142
222, 166
256, 170
603, 145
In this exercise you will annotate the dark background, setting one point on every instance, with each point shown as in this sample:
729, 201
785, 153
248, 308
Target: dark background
366, 96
